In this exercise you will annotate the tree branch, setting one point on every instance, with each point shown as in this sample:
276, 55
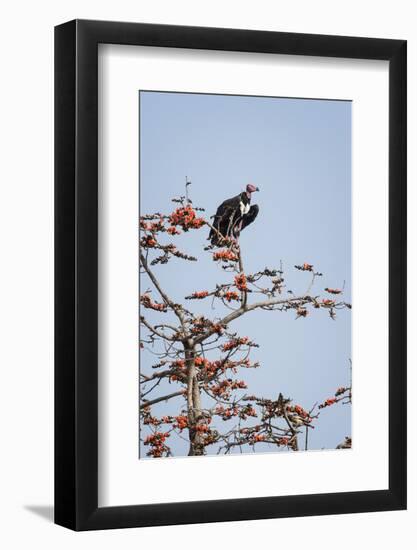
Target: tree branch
161, 374
239, 312
154, 330
244, 293
159, 399
163, 294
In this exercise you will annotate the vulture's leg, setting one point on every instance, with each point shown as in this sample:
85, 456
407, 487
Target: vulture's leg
248, 218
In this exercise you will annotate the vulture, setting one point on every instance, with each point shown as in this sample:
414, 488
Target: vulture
233, 215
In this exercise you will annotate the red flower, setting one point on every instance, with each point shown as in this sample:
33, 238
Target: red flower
147, 302
144, 225
200, 362
173, 231
300, 411
186, 218
199, 295
202, 428
330, 401
148, 242
182, 422
225, 256
156, 442
179, 364
333, 290
218, 329
156, 226
241, 282
231, 295
236, 342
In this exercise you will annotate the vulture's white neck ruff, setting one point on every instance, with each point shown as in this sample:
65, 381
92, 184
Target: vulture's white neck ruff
244, 208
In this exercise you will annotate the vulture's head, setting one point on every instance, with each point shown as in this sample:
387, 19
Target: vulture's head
251, 188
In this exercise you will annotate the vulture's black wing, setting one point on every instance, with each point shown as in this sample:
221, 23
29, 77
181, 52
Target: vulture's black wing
225, 218
248, 218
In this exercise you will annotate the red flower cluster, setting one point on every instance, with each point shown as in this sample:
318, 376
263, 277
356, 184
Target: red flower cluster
328, 303
182, 422
333, 290
217, 328
225, 413
201, 324
250, 430
201, 362
298, 409
241, 282
304, 267
225, 255
235, 343
151, 420
258, 437
155, 226
247, 411
330, 401
144, 225
148, 242
221, 389
225, 386
180, 368
202, 428
173, 230
157, 443
179, 364
199, 295
210, 368
146, 301
231, 295
283, 441
186, 218
148, 419
250, 411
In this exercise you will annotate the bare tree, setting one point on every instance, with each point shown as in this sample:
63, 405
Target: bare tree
184, 343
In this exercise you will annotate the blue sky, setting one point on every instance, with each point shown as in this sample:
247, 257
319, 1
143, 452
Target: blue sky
298, 152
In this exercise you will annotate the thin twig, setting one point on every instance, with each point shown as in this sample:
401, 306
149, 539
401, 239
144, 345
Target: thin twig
159, 399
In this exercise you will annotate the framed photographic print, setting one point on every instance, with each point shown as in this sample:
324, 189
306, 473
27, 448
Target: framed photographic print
230, 275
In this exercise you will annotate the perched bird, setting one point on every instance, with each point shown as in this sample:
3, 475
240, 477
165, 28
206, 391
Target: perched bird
233, 215
347, 444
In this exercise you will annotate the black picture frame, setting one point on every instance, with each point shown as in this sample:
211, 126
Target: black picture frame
76, 272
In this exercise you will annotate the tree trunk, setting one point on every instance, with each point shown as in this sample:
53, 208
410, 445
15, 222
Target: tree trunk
194, 405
